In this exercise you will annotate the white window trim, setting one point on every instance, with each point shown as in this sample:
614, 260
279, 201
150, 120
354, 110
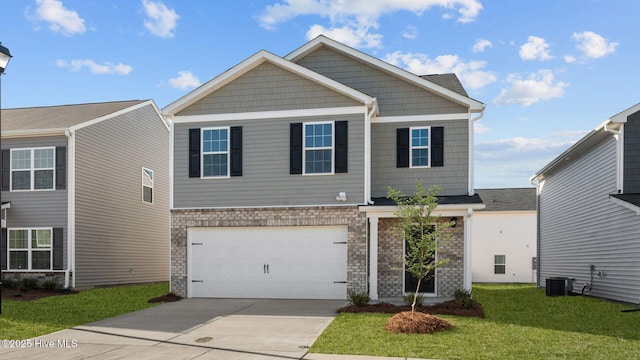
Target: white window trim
29, 249
228, 152
144, 170
332, 148
411, 147
32, 169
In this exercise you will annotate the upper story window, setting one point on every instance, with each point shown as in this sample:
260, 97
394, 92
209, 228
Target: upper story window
32, 169
215, 152
420, 149
318, 148
147, 186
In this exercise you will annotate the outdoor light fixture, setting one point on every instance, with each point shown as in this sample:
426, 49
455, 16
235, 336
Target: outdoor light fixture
5, 56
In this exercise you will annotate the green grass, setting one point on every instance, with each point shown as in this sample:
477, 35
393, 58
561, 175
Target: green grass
27, 319
520, 323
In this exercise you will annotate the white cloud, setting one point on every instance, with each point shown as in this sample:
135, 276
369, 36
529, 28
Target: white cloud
470, 73
536, 48
481, 45
480, 128
95, 68
411, 32
356, 18
184, 80
60, 20
358, 37
536, 87
593, 45
160, 21
569, 59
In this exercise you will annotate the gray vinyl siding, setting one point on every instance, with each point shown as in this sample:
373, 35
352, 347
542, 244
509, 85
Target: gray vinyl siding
396, 96
120, 239
579, 226
268, 88
632, 154
31, 209
265, 179
452, 178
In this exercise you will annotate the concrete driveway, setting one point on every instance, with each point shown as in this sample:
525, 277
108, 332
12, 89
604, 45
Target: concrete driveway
230, 329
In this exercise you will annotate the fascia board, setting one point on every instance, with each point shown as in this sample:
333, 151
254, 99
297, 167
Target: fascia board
112, 115
622, 116
474, 105
251, 63
32, 133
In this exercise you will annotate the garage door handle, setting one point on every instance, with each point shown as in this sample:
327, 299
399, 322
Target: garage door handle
197, 280
265, 268
339, 282
196, 244
339, 242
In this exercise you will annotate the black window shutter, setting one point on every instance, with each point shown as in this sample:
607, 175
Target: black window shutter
437, 146
402, 147
342, 148
6, 169
3, 250
194, 153
61, 167
236, 151
295, 148
58, 249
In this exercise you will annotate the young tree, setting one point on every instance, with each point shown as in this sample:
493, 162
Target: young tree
421, 230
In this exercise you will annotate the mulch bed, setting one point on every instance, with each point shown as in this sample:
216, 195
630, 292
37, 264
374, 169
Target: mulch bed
170, 297
32, 294
446, 308
417, 323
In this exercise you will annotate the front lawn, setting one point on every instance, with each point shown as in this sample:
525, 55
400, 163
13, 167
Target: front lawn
520, 323
27, 319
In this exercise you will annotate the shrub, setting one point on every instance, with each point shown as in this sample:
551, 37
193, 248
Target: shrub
359, 299
464, 299
28, 284
408, 299
49, 285
8, 284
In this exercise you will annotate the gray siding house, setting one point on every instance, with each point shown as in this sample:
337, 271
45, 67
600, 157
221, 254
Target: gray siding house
85, 193
589, 211
280, 168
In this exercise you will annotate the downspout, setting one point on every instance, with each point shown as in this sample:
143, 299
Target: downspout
71, 194
471, 188
367, 151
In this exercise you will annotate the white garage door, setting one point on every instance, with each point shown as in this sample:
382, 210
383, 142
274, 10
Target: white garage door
301, 262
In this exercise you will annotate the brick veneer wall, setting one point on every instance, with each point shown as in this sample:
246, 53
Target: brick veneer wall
390, 270
293, 216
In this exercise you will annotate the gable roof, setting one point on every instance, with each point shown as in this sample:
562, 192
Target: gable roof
474, 105
508, 199
252, 62
582, 146
57, 119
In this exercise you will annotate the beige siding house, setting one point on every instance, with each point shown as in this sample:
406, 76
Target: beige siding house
280, 168
85, 193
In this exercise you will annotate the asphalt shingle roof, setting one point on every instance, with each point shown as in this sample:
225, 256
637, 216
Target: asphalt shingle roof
508, 199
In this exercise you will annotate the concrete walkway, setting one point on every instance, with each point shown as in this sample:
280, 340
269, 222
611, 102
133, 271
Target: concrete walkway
232, 329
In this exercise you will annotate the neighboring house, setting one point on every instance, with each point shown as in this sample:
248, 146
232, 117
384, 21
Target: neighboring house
504, 236
589, 211
85, 193
280, 169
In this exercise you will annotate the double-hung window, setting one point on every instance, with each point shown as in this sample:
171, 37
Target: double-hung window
32, 169
30, 249
318, 148
215, 152
147, 186
500, 264
420, 148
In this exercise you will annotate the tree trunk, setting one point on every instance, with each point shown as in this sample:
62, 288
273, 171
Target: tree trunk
415, 297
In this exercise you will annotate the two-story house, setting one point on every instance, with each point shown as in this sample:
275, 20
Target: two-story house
281, 165
589, 212
85, 194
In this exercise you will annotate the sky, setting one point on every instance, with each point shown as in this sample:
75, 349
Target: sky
548, 71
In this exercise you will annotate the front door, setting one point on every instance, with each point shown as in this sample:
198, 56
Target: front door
428, 284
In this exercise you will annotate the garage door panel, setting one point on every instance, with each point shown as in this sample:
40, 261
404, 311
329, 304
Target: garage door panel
268, 262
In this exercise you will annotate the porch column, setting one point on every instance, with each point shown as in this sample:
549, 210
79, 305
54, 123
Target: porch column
373, 258
467, 280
